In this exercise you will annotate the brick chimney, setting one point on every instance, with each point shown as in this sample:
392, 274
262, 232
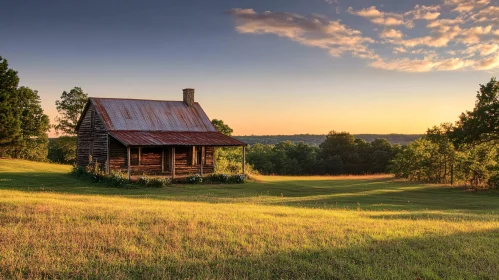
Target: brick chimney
188, 96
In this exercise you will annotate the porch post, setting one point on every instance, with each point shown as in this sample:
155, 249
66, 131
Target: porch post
202, 160
128, 160
173, 162
162, 160
108, 168
244, 159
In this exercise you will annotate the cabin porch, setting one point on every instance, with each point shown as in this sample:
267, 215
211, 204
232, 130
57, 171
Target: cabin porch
175, 161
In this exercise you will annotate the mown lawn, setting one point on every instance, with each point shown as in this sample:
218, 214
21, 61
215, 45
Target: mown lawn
54, 226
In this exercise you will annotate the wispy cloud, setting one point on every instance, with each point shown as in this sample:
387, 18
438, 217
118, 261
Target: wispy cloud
421, 39
314, 31
381, 18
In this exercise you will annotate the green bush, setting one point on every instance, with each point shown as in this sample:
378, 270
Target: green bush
117, 179
194, 179
156, 182
218, 178
238, 179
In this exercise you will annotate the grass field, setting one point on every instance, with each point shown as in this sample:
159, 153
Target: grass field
55, 226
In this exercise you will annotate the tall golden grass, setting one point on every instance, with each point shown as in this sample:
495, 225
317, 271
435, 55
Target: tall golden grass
80, 230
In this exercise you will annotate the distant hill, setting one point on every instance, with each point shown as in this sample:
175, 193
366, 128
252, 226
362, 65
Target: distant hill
317, 139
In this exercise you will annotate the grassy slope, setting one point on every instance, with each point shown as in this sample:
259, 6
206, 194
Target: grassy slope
52, 225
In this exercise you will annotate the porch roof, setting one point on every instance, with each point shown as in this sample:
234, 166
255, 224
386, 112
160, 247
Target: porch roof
174, 138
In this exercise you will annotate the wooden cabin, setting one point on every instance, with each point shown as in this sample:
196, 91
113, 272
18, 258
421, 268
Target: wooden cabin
170, 138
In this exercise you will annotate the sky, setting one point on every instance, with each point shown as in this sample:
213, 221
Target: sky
264, 67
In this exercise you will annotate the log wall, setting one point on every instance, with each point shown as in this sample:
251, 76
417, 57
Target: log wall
150, 160
92, 139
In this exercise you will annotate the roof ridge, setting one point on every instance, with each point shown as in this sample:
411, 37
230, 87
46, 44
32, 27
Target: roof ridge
138, 99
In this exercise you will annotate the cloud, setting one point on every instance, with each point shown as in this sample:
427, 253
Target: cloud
397, 50
465, 6
489, 14
447, 22
488, 63
465, 39
314, 31
424, 12
391, 33
473, 35
440, 37
381, 18
481, 49
421, 65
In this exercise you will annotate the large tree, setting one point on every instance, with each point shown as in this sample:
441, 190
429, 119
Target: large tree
10, 124
70, 108
33, 140
23, 125
482, 124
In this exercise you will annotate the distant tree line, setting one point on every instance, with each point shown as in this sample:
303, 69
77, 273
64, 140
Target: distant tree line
340, 153
317, 139
465, 152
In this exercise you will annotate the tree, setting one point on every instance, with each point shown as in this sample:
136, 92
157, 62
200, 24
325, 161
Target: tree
482, 124
339, 153
62, 149
23, 126
70, 108
222, 127
10, 124
33, 140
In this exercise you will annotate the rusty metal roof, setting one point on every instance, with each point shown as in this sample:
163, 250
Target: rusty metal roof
151, 115
160, 138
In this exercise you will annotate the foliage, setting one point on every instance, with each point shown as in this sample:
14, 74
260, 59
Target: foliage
222, 127
10, 124
478, 166
282, 228
237, 178
194, 179
116, 179
62, 149
226, 178
157, 182
434, 159
70, 107
23, 125
316, 139
218, 178
481, 124
467, 151
340, 153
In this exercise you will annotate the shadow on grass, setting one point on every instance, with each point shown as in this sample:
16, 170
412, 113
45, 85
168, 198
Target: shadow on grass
457, 256
365, 194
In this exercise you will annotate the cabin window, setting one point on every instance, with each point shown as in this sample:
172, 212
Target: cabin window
134, 156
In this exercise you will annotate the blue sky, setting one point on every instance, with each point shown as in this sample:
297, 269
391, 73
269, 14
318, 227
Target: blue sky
265, 67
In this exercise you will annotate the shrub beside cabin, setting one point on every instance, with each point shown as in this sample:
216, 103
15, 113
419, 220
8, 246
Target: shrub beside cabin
170, 138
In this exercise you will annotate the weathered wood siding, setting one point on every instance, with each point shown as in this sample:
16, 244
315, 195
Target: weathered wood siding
150, 161
117, 155
92, 139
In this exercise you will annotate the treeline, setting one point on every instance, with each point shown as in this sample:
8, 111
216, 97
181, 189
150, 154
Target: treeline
339, 153
317, 139
465, 152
